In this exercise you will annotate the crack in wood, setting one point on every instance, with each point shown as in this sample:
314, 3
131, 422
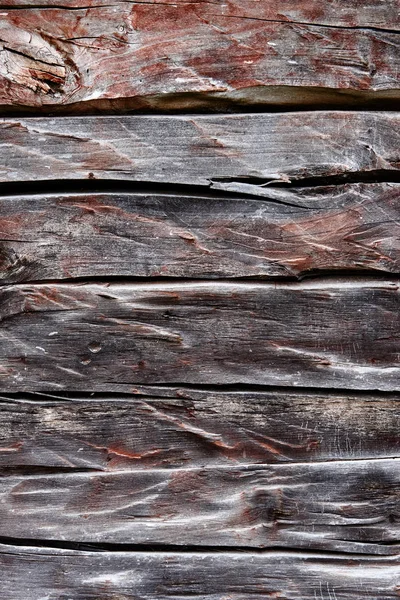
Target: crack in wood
165, 549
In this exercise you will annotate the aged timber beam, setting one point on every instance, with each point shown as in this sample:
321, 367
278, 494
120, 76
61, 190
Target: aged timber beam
213, 151
341, 506
286, 233
173, 575
327, 333
179, 54
194, 428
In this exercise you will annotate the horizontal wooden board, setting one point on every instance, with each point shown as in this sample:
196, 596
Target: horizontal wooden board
157, 576
287, 233
187, 54
193, 428
200, 150
349, 506
326, 333
369, 14
351, 14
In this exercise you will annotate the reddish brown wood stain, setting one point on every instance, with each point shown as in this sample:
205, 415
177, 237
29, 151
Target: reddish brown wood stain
127, 51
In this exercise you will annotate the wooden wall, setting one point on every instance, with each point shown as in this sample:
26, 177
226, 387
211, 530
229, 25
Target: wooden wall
199, 300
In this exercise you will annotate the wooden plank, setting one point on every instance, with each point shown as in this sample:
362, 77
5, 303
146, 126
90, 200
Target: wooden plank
177, 235
200, 150
186, 54
326, 333
194, 428
351, 14
348, 506
158, 576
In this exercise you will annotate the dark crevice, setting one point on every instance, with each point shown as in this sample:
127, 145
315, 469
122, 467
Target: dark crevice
110, 280
180, 549
183, 390
215, 188
256, 99
38, 470
105, 186
323, 276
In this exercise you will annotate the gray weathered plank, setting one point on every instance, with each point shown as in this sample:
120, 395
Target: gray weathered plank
349, 506
324, 333
194, 428
200, 149
188, 54
77, 575
289, 232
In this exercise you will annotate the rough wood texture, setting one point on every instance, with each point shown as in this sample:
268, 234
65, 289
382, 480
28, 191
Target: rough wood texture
264, 491
333, 333
349, 506
187, 54
351, 14
193, 428
173, 576
151, 234
201, 150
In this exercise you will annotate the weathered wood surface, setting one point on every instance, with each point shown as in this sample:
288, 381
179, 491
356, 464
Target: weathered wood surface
332, 333
351, 14
193, 428
349, 506
252, 484
201, 150
51, 237
77, 575
125, 55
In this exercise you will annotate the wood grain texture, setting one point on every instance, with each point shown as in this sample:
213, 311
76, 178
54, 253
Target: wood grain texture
178, 54
349, 506
290, 234
272, 492
200, 150
193, 428
351, 14
334, 333
173, 576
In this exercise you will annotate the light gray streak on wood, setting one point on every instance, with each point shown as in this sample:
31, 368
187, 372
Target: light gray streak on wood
200, 150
